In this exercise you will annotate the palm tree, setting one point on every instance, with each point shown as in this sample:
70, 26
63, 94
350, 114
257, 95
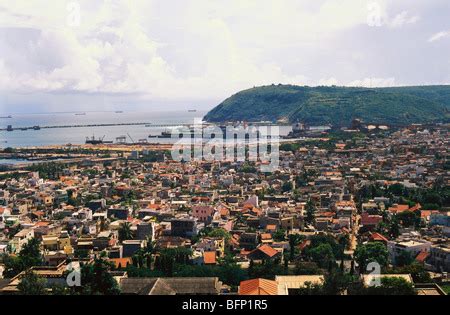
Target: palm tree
125, 231
138, 258
149, 251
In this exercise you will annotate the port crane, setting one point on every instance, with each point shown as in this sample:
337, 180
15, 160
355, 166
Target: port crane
132, 141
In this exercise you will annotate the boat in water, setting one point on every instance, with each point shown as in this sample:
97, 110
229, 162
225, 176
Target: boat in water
80, 114
165, 134
94, 141
5, 117
178, 133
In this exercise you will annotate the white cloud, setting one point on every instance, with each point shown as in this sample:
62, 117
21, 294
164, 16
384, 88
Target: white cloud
439, 36
374, 82
179, 49
328, 81
403, 18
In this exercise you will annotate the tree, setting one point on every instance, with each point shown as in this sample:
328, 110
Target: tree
149, 251
29, 256
336, 282
219, 232
31, 284
307, 268
279, 235
13, 266
310, 210
81, 253
396, 189
294, 240
168, 258
404, 258
409, 218
286, 187
371, 252
308, 289
322, 255
416, 270
344, 241
143, 256
125, 232
8, 150
268, 269
394, 228
392, 286
316, 240
96, 279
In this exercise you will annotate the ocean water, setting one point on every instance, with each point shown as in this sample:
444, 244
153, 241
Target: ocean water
27, 138
12, 161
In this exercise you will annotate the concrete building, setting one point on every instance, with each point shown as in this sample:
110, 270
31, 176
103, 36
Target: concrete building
440, 257
413, 247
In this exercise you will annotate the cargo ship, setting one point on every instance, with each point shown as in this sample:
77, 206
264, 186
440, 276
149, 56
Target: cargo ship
93, 140
177, 133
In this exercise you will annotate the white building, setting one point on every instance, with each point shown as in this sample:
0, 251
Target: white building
20, 239
413, 247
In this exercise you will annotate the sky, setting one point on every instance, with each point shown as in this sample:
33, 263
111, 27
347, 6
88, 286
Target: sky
159, 54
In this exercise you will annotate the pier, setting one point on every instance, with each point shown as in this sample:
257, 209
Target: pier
11, 128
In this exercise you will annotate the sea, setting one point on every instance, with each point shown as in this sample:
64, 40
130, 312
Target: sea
61, 136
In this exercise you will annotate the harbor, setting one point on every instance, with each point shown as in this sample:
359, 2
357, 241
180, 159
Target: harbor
37, 127
67, 129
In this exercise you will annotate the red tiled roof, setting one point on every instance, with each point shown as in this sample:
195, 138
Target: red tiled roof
41, 223
209, 258
258, 287
120, 261
398, 208
422, 256
378, 237
367, 219
256, 211
424, 214
266, 249
304, 244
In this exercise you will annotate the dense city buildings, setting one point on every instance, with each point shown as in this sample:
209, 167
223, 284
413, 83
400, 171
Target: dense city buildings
345, 208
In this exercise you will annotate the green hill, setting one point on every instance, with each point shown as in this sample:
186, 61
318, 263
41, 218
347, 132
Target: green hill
336, 105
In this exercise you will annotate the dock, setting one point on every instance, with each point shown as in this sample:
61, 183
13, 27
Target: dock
11, 128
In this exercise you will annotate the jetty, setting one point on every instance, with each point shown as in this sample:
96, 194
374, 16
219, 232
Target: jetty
11, 128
